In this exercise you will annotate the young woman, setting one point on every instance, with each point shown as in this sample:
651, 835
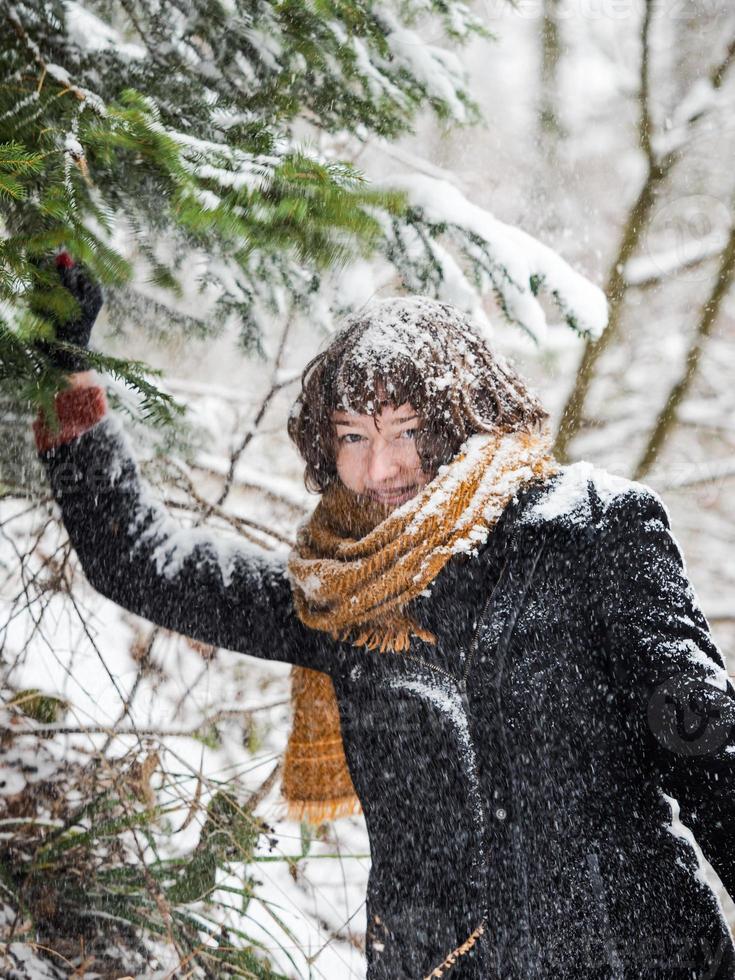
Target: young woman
500, 659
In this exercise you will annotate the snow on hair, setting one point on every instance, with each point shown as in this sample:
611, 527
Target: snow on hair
409, 349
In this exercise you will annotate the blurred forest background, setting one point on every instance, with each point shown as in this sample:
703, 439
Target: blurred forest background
514, 159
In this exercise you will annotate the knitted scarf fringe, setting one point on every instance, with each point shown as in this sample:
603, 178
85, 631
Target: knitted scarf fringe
384, 638
318, 811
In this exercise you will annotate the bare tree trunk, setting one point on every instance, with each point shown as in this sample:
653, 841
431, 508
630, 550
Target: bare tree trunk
635, 225
615, 290
666, 421
550, 128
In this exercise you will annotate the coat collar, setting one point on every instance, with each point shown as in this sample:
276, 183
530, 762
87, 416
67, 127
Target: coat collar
574, 497
460, 589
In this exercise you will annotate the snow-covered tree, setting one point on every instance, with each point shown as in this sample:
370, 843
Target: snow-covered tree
172, 147
177, 124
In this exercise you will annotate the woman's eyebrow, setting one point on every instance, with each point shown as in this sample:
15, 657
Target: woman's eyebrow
404, 418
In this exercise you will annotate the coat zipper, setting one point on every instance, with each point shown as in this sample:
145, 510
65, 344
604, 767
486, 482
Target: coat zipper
476, 635
461, 682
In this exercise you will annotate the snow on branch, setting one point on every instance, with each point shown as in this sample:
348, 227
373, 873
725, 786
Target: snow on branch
647, 270
90, 33
704, 96
438, 71
502, 259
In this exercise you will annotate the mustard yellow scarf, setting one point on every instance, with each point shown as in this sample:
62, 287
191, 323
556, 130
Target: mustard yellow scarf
354, 569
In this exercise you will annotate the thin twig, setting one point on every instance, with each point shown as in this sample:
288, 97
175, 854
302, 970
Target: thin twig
236, 520
48, 731
274, 388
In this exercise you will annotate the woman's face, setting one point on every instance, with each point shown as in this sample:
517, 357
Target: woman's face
380, 461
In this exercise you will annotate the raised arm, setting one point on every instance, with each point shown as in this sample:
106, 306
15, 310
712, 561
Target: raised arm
679, 704
204, 585
210, 587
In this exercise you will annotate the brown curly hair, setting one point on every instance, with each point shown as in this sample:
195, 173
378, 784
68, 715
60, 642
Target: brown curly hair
416, 350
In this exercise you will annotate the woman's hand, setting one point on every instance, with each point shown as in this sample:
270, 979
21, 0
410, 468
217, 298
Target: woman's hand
87, 292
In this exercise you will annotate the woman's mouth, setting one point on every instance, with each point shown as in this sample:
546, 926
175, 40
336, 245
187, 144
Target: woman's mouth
393, 497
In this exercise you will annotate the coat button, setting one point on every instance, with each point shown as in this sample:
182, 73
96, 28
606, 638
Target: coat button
500, 813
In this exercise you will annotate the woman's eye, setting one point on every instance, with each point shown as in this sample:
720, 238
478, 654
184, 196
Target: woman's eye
349, 436
411, 433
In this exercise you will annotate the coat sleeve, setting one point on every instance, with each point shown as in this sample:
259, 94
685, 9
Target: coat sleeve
678, 702
211, 587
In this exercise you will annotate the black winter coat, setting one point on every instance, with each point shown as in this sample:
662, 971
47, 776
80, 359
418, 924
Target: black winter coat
514, 771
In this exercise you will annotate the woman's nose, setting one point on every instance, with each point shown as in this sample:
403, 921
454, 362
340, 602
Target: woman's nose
383, 463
